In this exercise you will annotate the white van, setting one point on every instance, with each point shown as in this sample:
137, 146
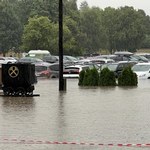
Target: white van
38, 53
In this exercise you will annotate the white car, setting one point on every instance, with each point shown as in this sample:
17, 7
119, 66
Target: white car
73, 71
142, 70
7, 60
102, 61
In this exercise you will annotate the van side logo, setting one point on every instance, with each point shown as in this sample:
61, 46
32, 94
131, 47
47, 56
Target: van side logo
13, 71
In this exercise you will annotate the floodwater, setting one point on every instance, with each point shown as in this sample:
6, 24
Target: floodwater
107, 115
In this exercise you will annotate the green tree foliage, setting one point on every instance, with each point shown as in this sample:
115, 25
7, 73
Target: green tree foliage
146, 41
81, 77
131, 29
86, 30
107, 78
41, 33
90, 77
37, 33
94, 77
10, 28
86, 79
84, 5
127, 78
126, 30
92, 29
110, 22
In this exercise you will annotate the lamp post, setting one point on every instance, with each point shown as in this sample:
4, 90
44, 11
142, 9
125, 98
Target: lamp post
61, 81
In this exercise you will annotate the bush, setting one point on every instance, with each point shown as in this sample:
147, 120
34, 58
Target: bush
127, 78
90, 77
81, 77
86, 79
93, 77
107, 78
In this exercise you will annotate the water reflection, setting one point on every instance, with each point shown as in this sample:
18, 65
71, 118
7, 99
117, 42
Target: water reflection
61, 117
18, 103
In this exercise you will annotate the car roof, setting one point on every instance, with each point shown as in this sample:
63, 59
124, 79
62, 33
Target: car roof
123, 53
42, 64
148, 63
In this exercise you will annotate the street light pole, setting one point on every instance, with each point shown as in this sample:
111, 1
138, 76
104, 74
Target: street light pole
61, 81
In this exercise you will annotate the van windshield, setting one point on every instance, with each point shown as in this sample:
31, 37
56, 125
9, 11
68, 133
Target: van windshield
41, 56
38, 53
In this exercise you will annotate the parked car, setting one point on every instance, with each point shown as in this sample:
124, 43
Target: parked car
146, 55
47, 70
101, 61
54, 70
142, 70
51, 59
29, 60
118, 66
73, 71
7, 60
139, 58
42, 70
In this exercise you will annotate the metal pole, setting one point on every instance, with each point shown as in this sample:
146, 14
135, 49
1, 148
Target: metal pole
61, 81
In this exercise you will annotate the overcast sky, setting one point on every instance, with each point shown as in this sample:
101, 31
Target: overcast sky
137, 4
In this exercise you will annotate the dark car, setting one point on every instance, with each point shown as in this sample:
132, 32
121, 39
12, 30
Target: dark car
29, 60
47, 70
118, 67
51, 59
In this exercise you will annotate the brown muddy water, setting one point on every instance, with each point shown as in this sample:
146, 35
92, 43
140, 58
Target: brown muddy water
108, 115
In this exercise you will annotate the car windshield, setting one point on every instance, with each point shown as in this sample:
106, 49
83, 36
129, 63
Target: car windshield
40, 68
140, 57
111, 67
139, 68
70, 58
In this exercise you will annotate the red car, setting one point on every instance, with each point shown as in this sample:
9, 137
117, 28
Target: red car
47, 70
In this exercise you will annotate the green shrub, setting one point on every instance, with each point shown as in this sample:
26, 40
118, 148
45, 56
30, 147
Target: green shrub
93, 77
86, 79
90, 77
127, 78
81, 77
107, 78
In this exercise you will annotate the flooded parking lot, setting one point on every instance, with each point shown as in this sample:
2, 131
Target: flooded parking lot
77, 117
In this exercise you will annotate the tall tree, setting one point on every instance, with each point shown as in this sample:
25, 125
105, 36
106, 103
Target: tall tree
10, 28
125, 28
92, 29
36, 33
130, 29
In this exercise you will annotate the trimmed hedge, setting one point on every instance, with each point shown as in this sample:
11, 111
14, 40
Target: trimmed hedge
81, 77
91, 77
127, 78
107, 78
